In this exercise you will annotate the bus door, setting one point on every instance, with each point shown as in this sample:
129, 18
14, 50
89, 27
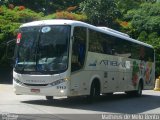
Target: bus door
78, 75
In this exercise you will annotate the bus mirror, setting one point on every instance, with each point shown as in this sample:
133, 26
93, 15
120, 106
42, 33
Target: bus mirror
10, 49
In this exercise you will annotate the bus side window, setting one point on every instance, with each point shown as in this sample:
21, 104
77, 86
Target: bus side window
78, 48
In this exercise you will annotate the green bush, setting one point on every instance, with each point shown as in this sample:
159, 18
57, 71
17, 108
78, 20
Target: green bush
67, 15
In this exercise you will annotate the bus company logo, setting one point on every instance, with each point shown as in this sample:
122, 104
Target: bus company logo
113, 63
94, 64
35, 81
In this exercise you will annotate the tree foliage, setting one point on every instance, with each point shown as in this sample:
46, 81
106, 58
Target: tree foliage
125, 5
46, 6
146, 18
67, 14
145, 25
100, 12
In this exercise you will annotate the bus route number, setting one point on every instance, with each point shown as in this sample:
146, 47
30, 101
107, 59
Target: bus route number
61, 87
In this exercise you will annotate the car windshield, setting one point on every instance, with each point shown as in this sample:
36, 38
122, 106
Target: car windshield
42, 49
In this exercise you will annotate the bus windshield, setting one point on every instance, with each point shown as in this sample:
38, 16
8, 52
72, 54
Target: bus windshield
42, 49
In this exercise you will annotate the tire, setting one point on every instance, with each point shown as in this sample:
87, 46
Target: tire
130, 93
94, 92
109, 94
49, 98
138, 92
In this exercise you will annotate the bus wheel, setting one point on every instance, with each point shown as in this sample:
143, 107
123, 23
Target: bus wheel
94, 91
138, 92
109, 94
50, 98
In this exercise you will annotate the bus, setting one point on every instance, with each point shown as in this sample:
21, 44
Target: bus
56, 58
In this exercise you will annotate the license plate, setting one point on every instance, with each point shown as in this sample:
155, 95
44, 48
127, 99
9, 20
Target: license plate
35, 90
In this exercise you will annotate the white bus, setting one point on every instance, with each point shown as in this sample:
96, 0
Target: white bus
73, 58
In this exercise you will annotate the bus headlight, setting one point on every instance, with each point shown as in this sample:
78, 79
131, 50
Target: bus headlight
62, 91
66, 79
57, 82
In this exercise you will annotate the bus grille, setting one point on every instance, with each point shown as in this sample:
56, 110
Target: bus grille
35, 84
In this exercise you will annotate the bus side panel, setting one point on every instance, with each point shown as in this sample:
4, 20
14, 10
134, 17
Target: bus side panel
102, 66
80, 83
141, 70
149, 76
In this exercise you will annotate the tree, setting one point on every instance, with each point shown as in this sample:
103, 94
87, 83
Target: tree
125, 5
146, 18
145, 22
46, 6
101, 12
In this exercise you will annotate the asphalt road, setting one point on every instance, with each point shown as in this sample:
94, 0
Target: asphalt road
119, 105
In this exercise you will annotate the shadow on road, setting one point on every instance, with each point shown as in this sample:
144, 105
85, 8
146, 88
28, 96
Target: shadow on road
119, 103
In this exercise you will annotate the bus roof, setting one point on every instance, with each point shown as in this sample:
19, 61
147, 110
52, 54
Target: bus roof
105, 30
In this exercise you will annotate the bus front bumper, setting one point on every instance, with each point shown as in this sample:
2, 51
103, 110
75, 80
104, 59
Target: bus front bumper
59, 90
